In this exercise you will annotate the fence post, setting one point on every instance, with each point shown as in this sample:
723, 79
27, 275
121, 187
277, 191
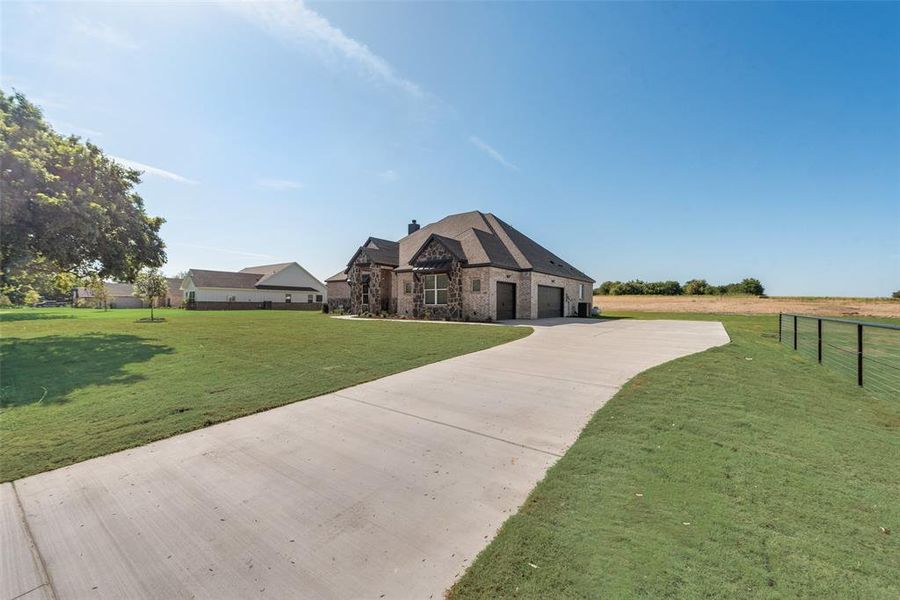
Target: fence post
795, 332
779, 328
859, 354
820, 341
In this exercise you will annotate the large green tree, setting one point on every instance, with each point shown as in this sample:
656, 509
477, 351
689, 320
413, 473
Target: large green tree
66, 204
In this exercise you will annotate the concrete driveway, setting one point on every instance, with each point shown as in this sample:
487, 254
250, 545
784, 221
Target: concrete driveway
384, 490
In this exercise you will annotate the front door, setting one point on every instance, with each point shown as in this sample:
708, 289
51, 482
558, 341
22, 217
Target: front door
506, 301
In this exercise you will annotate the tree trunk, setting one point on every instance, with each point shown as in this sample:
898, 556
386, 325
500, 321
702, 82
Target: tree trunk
151, 310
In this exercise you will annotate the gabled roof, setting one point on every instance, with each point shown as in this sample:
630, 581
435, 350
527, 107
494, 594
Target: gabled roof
266, 269
483, 239
541, 259
341, 276
224, 279
379, 251
454, 247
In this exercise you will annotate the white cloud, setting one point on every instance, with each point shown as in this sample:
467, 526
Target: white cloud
149, 170
293, 22
389, 176
490, 151
280, 185
104, 33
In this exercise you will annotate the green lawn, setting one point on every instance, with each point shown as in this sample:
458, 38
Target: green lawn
75, 384
747, 471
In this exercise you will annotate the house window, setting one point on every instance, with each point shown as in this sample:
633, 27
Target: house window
476, 285
318, 297
309, 298
287, 298
581, 291
407, 287
436, 288
365, 294
192, 295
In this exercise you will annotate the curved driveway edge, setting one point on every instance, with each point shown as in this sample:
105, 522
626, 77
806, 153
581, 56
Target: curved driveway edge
384, 490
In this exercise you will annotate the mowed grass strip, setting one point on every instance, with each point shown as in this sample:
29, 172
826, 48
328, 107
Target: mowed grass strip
747, 471
76, 384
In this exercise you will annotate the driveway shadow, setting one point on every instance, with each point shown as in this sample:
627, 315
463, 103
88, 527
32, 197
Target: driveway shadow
46, 369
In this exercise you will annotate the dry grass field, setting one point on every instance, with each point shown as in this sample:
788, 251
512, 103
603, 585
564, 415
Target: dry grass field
836, 307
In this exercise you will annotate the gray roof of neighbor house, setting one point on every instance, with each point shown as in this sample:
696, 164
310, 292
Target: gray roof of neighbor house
481, 239
224, 279
249, 278
114, 290
341, 276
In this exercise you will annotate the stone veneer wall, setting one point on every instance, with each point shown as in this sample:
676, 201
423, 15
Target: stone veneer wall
453, 309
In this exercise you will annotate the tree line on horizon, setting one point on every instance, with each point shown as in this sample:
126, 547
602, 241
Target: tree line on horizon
694, 287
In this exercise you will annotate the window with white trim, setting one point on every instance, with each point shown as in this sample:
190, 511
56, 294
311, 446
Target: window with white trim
581, 291
407, 287
476, 285
309, 298
436, 287
287, 298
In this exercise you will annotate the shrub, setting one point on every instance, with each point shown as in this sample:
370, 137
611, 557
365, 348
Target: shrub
663, 288
753, 286
606, 288
696, 287
5, 302
32, 297
896, 294
636, 287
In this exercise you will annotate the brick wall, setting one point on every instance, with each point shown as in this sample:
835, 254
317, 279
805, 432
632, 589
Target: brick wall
256, 305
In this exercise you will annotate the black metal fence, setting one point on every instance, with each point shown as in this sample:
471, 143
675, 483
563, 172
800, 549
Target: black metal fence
867, 352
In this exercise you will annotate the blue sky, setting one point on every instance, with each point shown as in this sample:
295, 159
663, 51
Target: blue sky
653, 141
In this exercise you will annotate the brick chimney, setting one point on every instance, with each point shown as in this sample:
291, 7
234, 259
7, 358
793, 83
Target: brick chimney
412, 227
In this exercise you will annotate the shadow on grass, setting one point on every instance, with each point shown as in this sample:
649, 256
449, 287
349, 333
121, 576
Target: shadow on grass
30, 316
46, 369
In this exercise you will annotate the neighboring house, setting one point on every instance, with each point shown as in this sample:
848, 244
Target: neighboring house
469, 266
280, 286
338, 291
174, 298
121, 295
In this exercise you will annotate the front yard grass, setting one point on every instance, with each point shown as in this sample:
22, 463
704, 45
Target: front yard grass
747, 471
75, 384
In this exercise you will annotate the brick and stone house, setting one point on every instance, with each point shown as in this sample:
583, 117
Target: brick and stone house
468, 266
338, 291
286, 286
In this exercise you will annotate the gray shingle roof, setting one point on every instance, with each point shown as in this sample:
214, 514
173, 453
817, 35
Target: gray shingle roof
224, 279
541, 259
341, 276
483, 239
266, 269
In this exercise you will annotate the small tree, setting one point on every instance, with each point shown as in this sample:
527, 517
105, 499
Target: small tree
753, 286
32, 297
696, 287
896, 294
98, 291
150, 285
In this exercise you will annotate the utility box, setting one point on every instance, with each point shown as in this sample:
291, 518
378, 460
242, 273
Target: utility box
584, 310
